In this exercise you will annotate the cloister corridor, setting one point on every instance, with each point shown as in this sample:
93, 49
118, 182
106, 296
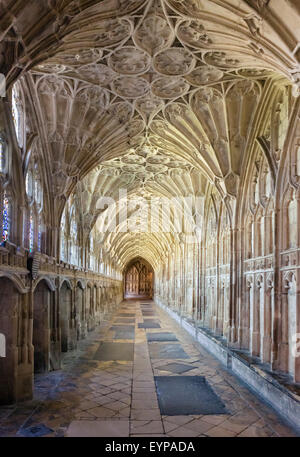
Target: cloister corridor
150, 218
113, 392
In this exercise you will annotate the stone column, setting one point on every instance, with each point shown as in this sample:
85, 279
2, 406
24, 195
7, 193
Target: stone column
283, 346
255, 318
268, 312
24, 376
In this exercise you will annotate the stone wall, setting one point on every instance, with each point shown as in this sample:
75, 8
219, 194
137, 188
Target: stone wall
43, 317
240, 279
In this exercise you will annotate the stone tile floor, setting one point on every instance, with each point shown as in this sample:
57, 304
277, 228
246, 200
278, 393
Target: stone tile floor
109, 398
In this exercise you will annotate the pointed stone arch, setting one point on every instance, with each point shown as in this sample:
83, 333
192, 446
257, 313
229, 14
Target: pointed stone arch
138, 278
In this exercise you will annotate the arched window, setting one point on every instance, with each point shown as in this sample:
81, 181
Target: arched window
29, 184
92, 242
18, 114
5, 206
3, 155
73, 230
73, 239
38, 189
92, 254
33, 183
63, 254
34, 193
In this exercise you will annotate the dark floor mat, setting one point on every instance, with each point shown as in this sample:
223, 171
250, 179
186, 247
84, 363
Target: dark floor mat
125, 315
123, 332
149, 325
115, 351
124, 335
163, 336
148, 313
184, 395
167, 351
124, 320
122, 327
176, 368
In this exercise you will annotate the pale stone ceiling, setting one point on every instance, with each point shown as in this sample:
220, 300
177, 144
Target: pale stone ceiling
158, 97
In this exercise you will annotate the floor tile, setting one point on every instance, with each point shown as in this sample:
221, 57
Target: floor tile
98, 429
115, 393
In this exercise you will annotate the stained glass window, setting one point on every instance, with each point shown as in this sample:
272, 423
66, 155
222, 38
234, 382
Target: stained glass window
62, 246
62, 236
38, 189
39, 241
31, 231
92, 243
73, 240
28, 184
63, 220
73, 229
34, 192
5, 218
38, 192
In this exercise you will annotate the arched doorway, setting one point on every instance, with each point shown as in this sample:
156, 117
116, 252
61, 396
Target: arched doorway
81, 325
42, 309
90, 315
138, 279
10, 305
67, 324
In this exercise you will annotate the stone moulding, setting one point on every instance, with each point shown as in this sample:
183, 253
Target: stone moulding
263, 384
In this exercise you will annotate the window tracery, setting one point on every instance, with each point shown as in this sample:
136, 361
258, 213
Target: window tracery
18, 114
5, 198
73, 258
3, 155
63, 236
34, 194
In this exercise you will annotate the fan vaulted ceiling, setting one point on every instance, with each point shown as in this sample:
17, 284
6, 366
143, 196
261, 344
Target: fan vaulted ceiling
157, 97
